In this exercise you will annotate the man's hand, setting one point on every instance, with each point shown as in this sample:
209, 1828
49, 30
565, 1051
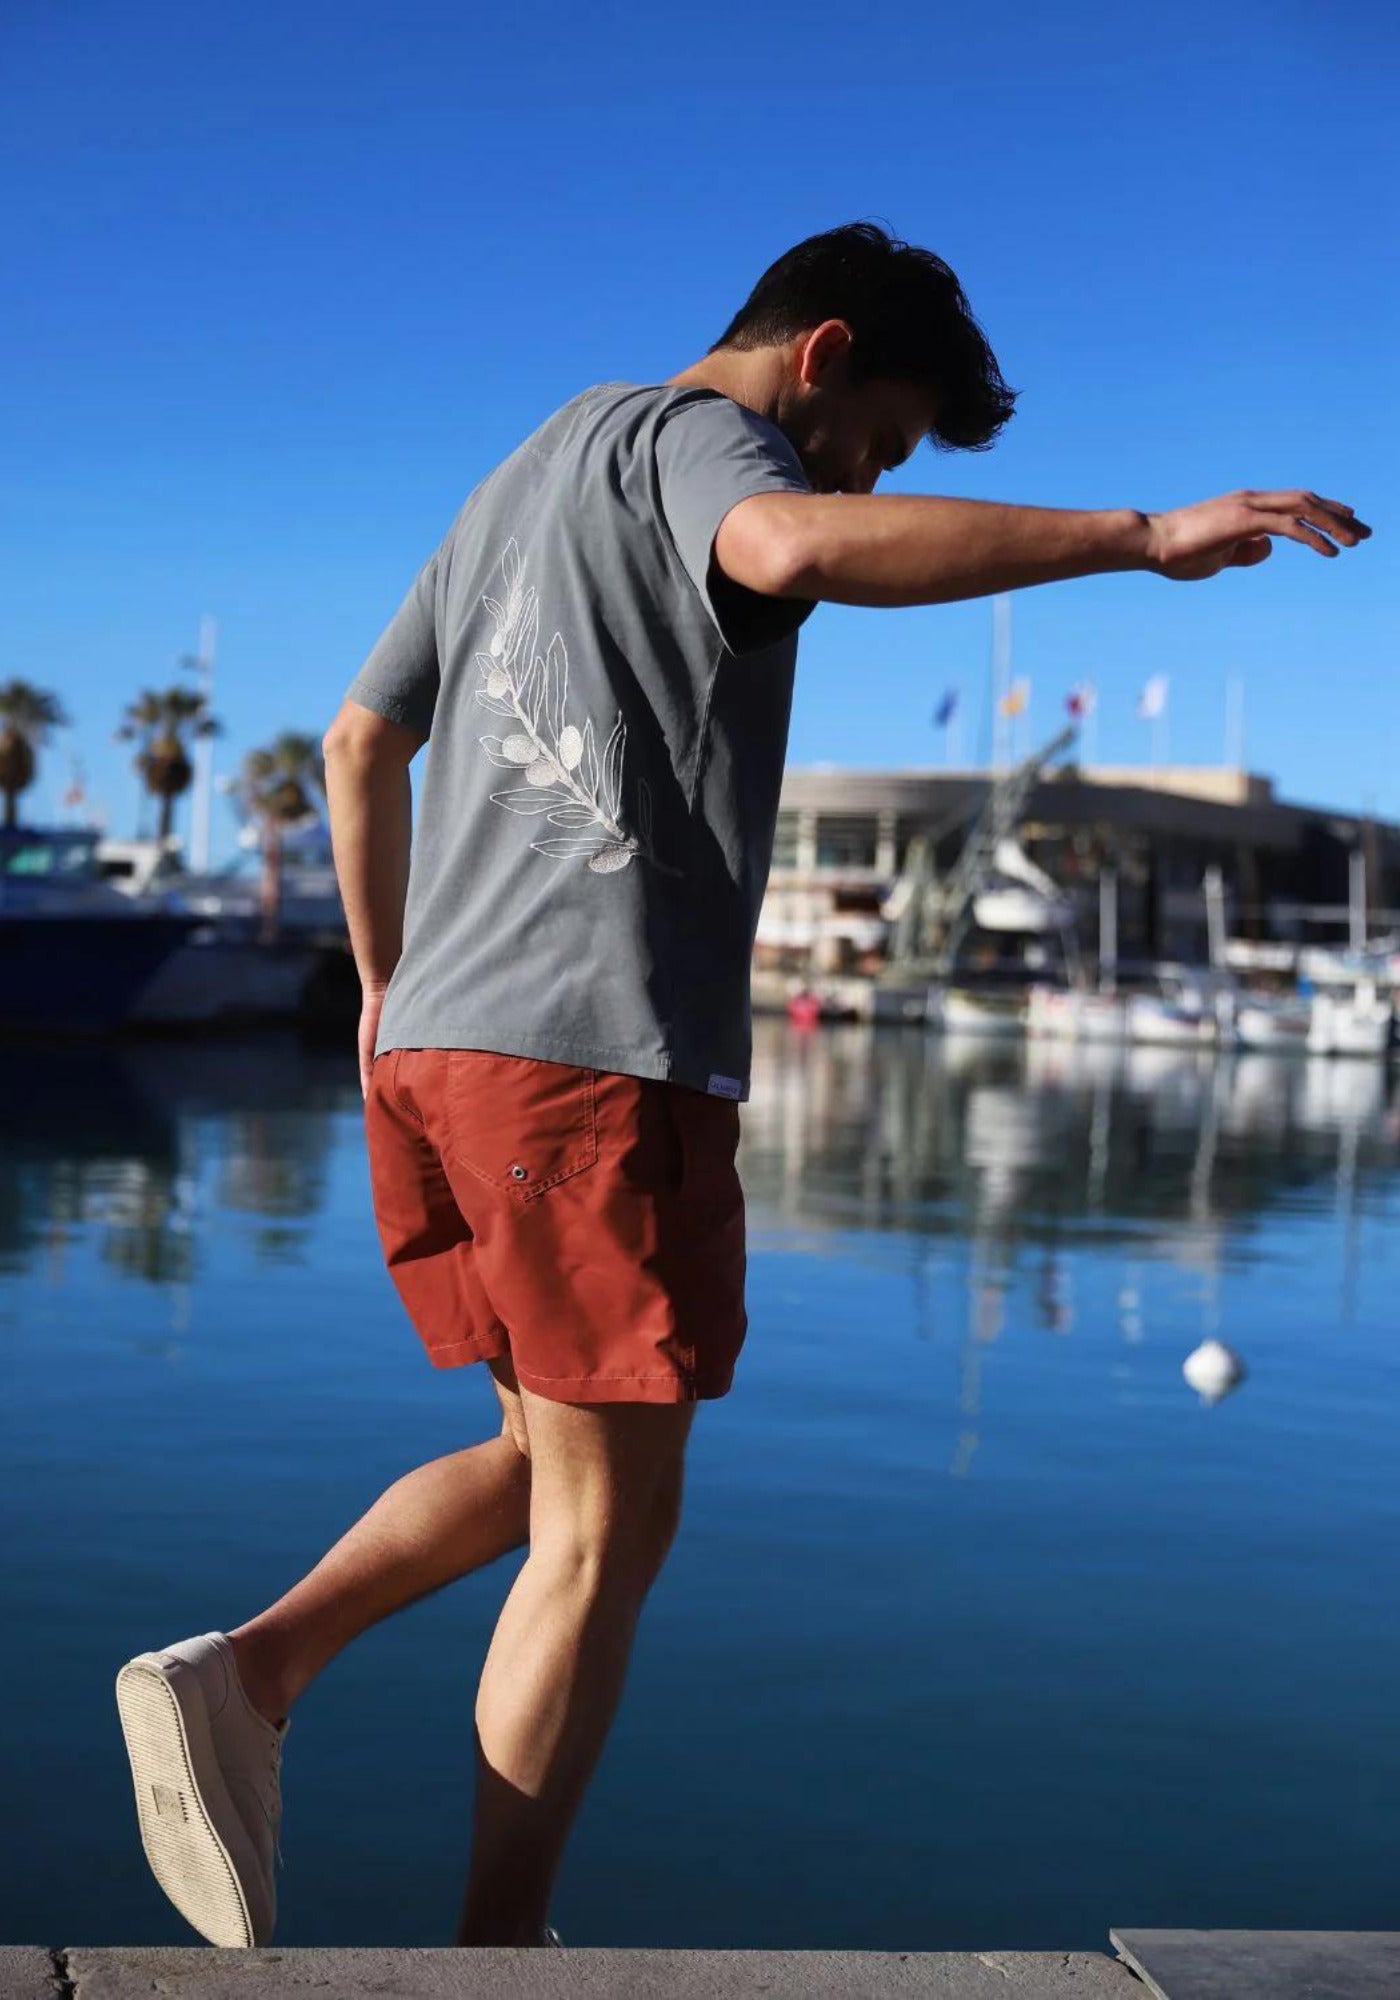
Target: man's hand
371, 1007
1233, 532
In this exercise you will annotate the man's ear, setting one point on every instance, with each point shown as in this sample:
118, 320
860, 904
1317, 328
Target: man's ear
826, 347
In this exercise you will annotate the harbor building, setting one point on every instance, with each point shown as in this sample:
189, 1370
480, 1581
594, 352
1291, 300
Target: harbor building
1293, 874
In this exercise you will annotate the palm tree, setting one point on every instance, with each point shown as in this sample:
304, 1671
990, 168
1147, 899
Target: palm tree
160, 722
27, 714
280, 786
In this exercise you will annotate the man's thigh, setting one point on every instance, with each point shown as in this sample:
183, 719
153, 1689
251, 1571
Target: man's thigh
602, 1472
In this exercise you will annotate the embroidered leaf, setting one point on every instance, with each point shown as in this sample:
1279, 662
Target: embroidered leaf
562, 848
565, 778
530, 800
612, 767
556, 685
609, 859
532, 691
527, 629
589, 760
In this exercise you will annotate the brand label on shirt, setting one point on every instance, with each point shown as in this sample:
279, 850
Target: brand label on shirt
725, 1086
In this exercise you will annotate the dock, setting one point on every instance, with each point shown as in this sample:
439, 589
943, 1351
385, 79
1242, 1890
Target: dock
1163, 1964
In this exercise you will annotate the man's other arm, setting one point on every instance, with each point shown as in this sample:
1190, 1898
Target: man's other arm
370, 799
893, 549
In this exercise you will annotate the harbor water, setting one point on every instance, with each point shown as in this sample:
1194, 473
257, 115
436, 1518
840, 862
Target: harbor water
982, 1630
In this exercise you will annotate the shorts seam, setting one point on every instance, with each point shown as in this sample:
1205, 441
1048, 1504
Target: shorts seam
665, 1375
407, 1109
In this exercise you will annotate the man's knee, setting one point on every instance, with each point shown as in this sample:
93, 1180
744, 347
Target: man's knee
620, 1542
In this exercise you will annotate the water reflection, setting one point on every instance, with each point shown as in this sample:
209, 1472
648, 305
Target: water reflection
987, 1170
893, 1129
1022, 1151
137, 1146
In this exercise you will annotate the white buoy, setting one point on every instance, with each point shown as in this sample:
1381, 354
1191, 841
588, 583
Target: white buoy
1213, 1370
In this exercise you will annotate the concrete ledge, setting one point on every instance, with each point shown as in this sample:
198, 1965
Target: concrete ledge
26, 1973
1264, 1965
202, 1973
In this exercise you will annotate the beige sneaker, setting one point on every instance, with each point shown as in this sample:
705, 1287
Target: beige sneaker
207, 1771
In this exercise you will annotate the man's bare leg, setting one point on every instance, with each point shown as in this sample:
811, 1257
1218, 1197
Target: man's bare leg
605, 1505
437, 1523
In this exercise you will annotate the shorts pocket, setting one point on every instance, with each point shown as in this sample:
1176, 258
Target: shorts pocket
518, 1123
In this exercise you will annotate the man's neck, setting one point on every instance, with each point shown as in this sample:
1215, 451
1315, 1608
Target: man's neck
753, 377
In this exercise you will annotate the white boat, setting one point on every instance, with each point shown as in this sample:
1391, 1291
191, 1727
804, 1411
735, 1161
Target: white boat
1019, 896
961, 1010
1186, 1006
1275, 1022
1351, 1019
1069, 1014
1174, 1006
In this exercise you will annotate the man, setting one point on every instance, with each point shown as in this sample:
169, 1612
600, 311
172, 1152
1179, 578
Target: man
555, 1035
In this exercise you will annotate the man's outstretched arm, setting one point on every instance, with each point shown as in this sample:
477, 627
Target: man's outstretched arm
369, 795
891, 549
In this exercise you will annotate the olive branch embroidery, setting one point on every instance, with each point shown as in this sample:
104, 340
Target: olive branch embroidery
566, 779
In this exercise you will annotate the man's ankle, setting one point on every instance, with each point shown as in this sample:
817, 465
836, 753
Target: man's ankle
270, 1693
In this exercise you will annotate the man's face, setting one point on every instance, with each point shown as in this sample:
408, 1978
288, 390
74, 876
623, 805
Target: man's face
848, 434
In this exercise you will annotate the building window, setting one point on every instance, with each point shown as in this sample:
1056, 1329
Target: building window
785, 841
846, 840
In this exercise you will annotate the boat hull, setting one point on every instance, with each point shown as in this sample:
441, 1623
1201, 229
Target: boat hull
80, 974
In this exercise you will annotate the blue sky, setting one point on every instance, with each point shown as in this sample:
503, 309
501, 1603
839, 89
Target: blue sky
283, 283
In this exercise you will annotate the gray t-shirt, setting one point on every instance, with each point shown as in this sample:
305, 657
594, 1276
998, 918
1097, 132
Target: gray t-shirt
607, 721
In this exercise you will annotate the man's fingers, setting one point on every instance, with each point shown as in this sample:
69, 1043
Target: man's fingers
1335, 516
1300, 531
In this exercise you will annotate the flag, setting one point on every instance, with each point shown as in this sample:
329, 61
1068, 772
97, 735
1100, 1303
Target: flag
1013, 702
1152, 701
74, 795
946, 709
1082, 699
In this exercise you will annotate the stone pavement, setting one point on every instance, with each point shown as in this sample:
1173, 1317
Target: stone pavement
1174, 1965
201, 1973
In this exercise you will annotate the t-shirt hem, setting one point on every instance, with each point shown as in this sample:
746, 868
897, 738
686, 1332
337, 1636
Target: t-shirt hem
659, 1065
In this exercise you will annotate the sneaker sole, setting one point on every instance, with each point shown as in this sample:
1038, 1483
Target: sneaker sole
190, 1829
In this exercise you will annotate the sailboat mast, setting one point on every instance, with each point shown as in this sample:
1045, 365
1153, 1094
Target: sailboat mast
201, 811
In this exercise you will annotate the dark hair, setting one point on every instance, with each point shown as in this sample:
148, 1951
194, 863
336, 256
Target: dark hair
908, 314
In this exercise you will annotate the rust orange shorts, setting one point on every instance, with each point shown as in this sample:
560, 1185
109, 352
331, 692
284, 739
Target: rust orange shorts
588, 1224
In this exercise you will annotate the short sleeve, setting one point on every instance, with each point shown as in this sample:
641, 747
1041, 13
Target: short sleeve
711, 454
399, 680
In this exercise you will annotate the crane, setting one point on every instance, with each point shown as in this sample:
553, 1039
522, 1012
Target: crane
931, 918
